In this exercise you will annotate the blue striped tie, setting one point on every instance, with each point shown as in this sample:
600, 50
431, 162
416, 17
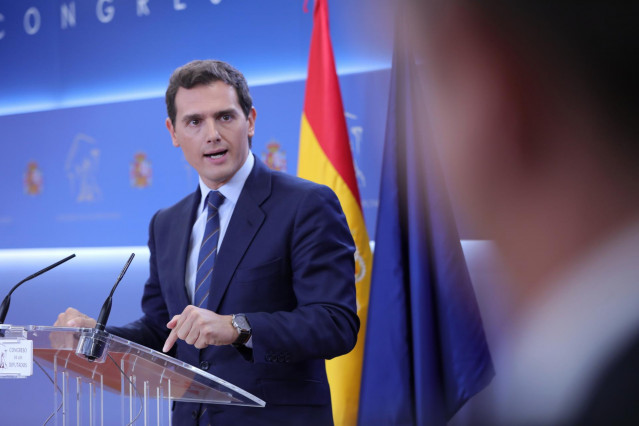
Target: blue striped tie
208, 249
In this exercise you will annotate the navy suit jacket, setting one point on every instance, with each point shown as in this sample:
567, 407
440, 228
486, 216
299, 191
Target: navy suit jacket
287, 262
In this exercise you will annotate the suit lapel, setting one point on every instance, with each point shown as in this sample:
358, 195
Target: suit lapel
182, 226
246, 221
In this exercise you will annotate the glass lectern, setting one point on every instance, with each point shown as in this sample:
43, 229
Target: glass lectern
145, 382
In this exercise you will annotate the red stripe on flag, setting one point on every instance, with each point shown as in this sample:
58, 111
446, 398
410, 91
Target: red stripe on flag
323, 101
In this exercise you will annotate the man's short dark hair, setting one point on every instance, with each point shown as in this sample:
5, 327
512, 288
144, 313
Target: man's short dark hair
202, 72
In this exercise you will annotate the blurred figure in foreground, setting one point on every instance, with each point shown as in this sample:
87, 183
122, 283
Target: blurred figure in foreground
535, 109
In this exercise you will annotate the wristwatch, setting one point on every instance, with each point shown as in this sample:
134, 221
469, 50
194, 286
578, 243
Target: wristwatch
243, 327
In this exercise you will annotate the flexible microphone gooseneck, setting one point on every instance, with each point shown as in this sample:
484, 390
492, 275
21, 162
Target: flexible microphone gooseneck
4, 308
106, 307
93, 341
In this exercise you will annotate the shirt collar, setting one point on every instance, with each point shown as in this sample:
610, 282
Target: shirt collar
233, 188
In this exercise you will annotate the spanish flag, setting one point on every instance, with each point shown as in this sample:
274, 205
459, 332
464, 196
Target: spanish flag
325, 157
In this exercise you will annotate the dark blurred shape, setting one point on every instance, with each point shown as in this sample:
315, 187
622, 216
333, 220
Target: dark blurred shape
534, 107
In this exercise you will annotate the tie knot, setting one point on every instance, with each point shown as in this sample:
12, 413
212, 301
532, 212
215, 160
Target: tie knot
215, 199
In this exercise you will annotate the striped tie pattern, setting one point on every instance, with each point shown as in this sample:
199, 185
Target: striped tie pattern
208, 249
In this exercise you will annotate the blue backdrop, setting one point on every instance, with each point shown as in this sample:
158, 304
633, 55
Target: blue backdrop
64, 52
87, 159
94, 175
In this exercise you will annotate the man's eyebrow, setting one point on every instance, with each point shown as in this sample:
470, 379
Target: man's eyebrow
228, 111
189, 117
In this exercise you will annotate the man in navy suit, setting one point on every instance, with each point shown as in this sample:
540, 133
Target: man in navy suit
281, 294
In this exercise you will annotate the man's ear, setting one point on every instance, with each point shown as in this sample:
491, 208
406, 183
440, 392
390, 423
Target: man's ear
251, 119
171, 129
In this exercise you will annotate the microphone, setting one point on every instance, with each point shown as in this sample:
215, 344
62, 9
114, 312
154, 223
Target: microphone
106, 307
93, 341
4, 308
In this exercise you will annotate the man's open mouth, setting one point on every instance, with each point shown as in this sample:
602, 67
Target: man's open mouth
218, 154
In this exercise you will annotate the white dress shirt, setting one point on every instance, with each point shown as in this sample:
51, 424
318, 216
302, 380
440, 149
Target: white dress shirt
231, 191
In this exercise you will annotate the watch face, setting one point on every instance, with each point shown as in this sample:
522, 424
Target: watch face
241, 322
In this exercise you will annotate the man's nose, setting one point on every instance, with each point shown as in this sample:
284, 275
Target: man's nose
212, 134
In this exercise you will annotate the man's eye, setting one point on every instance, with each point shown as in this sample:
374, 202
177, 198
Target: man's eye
226, 117
194, 122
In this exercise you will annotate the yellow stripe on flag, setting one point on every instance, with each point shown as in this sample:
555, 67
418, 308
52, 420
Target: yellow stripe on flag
344, 372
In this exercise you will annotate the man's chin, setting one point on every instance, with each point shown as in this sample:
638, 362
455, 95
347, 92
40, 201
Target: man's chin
214, 182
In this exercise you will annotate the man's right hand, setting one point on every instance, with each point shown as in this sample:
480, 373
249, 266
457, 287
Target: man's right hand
74, 318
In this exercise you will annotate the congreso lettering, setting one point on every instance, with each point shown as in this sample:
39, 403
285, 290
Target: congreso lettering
105, 11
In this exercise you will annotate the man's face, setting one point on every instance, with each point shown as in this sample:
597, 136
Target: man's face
212, 131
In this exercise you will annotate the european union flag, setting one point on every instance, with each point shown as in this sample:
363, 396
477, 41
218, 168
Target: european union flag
426, 352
